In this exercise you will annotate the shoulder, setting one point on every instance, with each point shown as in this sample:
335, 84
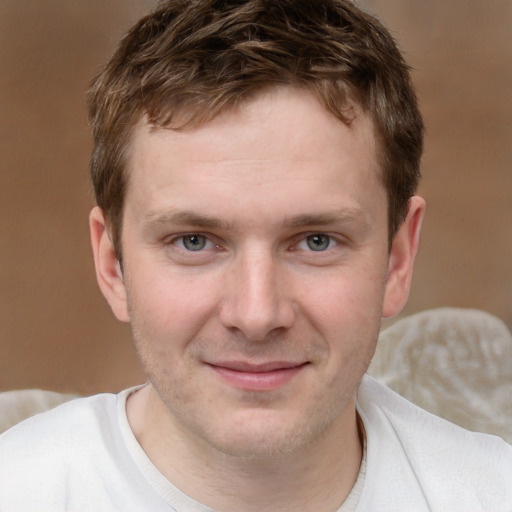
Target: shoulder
54, 447
414, 453
76, 457
58, 423
59, 432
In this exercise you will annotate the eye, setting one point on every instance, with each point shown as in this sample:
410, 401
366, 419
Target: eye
193, 242
317, 242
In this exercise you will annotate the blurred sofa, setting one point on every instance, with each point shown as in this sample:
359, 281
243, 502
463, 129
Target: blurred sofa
455, 363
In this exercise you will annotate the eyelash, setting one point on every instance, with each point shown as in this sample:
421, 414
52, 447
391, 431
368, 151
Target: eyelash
180, 241
331, 241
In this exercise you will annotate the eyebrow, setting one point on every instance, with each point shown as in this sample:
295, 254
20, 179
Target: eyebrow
191, 218
344, 216
185, 217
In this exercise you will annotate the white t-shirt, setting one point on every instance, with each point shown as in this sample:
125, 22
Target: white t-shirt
83, 456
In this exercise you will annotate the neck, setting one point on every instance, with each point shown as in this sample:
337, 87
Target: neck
318, 476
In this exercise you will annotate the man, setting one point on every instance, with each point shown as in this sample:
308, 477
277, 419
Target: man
255, 165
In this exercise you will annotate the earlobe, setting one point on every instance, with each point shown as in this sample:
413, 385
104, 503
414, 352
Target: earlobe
401, 259
108, 270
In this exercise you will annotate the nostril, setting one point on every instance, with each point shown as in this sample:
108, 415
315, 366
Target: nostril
257, 323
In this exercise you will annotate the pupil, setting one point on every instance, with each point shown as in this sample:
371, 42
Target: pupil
194, 242
318, 242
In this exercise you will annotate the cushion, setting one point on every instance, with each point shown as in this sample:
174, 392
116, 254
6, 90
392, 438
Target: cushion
455, 363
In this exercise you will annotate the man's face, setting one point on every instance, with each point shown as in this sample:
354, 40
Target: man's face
255, 271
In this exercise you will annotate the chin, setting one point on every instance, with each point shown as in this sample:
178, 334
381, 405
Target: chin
258, 446
263, 436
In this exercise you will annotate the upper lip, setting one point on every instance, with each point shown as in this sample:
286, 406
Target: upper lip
242, 366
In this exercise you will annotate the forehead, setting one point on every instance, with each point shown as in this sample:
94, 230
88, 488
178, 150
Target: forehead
282, 141
279, 114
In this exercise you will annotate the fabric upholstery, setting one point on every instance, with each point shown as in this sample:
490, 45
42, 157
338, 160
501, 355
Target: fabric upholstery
455, 363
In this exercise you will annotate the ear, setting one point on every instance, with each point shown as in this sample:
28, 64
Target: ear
108, 270
401, 259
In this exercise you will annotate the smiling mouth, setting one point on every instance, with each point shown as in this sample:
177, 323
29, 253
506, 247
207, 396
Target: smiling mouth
258, 377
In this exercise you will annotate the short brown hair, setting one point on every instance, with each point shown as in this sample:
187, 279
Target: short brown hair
197, 58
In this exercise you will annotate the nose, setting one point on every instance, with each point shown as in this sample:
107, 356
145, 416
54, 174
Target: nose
257, 299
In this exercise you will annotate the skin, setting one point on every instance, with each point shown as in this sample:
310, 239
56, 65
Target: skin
254, 344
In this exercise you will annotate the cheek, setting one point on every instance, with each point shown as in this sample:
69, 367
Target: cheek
346, 312
345, 300
169, 309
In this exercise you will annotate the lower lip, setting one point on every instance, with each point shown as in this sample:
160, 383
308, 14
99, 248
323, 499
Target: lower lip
258, 381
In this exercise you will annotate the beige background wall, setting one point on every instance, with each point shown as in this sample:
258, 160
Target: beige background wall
56, 331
